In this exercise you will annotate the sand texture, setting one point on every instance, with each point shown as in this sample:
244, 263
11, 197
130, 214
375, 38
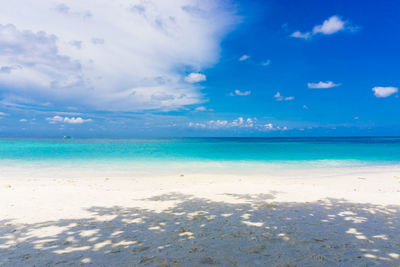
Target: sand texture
332, 217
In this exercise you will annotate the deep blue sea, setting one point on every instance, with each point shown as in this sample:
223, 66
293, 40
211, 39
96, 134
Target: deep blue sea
362, 150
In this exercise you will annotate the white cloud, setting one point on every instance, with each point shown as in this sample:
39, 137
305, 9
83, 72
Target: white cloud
70, 120
77, 120
218, 124
298, 34
280, 97
195, 77
202, 108
23, 120
305, 107
197, 125
330, 26
266, 63
269, 126
3, 113
322, 85
55, 119
382, 92
110, 55
241, 123
244, 57
240, 93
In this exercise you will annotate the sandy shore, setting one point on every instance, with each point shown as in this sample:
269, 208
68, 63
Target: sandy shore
304, 217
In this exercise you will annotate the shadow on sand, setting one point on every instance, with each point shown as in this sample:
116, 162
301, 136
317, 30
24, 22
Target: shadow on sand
253, 231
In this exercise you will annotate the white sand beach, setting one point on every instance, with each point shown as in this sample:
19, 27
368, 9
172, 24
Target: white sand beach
304, 217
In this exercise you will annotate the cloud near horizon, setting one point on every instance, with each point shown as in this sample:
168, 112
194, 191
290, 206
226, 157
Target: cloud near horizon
240, 122
70, 120
215, 124
112, 56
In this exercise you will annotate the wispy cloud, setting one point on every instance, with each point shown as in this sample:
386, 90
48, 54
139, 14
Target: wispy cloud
330, 26
266, 63
240, 93
203, 108
23, 120
280, 97
70, 120
195, 77
298, 34
323, 85
3, 113
382, 92
244, 57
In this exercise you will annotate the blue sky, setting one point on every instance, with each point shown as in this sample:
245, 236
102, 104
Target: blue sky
199, 68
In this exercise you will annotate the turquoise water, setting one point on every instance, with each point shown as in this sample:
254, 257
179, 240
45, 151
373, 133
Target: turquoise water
289, 150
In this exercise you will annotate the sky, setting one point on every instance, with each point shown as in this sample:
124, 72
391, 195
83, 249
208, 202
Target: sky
191, 68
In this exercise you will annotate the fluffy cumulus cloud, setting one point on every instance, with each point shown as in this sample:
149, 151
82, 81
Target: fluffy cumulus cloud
280, 97
110, 55
382, 92
70, 120
331, 25
195, 77
249, 123
322, 85
240, 93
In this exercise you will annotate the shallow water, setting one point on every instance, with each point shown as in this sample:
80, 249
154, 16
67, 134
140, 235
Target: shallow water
259, 149
201, 153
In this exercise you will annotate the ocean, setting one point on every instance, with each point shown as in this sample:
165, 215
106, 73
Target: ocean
169, 152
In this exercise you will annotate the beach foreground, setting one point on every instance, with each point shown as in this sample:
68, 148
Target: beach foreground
306, 217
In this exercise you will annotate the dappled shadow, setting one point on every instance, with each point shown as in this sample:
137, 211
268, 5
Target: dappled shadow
197, 231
